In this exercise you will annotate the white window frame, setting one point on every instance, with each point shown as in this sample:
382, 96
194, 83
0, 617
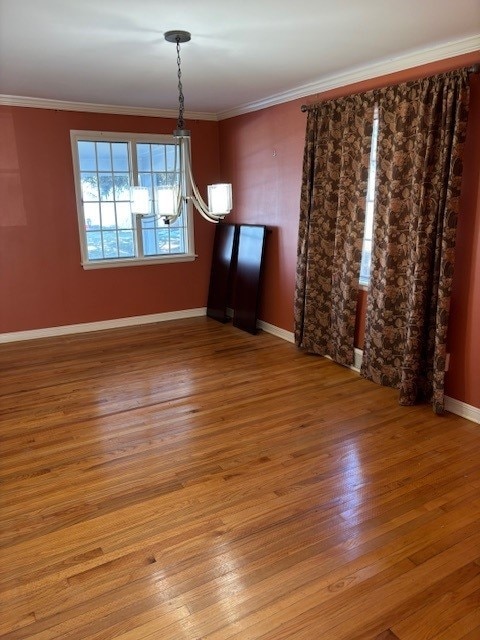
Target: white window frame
137, 260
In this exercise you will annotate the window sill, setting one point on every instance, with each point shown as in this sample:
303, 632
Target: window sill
137, 262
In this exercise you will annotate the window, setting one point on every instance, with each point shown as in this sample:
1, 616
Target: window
106, 166
366, 263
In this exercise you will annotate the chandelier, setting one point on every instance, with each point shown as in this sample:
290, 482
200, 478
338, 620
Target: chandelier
170, 199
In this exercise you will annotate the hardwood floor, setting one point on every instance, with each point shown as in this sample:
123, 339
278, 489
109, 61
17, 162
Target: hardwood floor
187, 480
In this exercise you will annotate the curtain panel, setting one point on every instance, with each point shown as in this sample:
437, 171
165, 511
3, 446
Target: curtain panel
422, 128
332, 215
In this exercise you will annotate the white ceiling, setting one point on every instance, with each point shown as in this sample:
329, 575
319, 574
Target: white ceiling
242, 52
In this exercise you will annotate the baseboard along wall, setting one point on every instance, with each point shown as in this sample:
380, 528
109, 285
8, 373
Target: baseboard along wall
462, 409
85, 327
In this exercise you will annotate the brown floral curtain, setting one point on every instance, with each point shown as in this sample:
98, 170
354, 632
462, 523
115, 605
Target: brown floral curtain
332, 215
422, 129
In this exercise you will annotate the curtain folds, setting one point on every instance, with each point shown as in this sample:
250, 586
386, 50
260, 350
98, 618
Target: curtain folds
332, 214
422, 129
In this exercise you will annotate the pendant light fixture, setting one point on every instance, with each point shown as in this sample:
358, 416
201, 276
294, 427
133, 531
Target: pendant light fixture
169, 200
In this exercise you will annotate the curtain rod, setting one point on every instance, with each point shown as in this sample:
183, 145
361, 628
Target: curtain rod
307, 107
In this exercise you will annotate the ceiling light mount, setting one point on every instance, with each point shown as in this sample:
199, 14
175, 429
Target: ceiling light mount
177, 36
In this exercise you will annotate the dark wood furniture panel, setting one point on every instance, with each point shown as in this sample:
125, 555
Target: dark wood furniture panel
222, 272
251, 249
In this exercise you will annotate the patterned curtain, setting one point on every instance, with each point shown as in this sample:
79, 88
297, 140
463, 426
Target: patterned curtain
422, 129
332, 214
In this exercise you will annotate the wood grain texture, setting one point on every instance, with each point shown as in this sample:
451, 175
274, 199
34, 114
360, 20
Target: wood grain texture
187, 480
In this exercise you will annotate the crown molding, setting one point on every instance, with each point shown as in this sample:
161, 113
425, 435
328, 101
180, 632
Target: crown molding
63, 105
377, 69
409, 60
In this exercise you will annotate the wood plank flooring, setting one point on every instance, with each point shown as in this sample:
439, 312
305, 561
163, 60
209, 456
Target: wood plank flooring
186, 480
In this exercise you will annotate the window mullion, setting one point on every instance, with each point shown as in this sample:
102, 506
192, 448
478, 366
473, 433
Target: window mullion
135, 179
139, 236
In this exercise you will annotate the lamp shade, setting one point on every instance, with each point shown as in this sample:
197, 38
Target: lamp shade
140, 200
220, 198
166, 201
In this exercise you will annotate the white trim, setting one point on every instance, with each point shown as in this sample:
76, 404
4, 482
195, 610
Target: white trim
454, 406
357, 364
358, 74
85, 327
138, 262
289, 336
64, 105
408, 60
462, 409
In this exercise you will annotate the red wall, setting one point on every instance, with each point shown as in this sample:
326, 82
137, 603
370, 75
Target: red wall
42, 283
463, 378
262, 157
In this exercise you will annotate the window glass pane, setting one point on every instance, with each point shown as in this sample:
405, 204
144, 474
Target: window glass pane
110, 246
106, 186
366, 262
365, 265
104, 157
171, 179
149, 248
120, 156
124, 215
369, 220
177, 240
89, 182
86, 155
92, 215
170, 153
180, 222
159, 180
108, 215
94, 245
148, 222
126, 244
158, 157
145, 179
143, 157
122, 186
163, 240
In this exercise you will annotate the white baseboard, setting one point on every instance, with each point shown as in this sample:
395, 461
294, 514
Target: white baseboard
357, 364
84, 327
462, 409
457, 407
289, 336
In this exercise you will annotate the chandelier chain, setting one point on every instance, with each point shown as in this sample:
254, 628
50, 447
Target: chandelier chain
181, 99
185, 190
